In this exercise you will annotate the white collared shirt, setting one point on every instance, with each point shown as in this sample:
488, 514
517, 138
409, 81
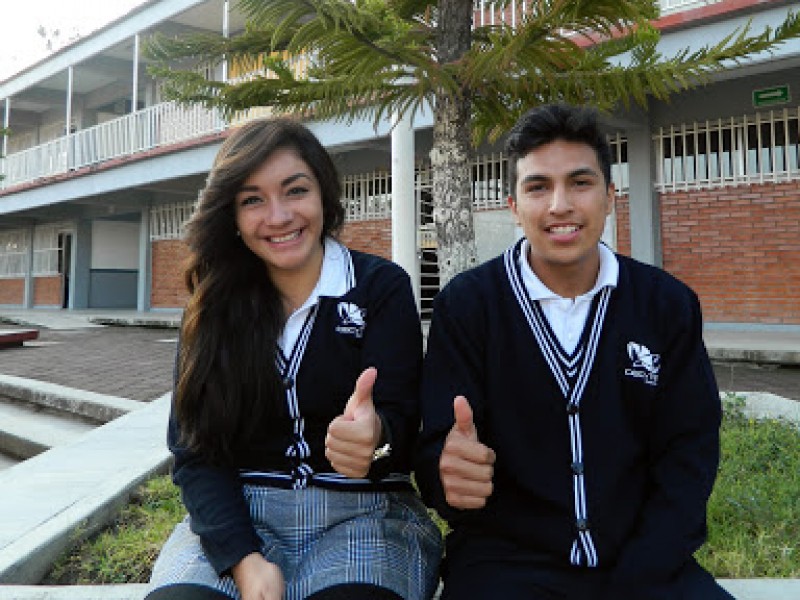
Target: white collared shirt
567, 316
332, 282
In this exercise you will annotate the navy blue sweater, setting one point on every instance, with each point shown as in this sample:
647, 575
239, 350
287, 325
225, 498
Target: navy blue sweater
336, 353
648, 422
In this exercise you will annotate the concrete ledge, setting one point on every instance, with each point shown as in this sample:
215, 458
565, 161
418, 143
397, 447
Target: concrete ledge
97, 407
61, 496
739, 344
783, 357
763, 405
741, 589
167, 321
16, 337
761, 589
131, 591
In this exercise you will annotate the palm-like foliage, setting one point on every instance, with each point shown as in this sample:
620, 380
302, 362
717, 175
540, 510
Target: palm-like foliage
373, 57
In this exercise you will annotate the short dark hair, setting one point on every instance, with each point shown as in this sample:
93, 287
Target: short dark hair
550, 122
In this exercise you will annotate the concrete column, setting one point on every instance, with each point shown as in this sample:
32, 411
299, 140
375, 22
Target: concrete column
68, 116
135, 85
6, 119
145, 274
643, 200
225, 33
27, 296
404, 210
81, 264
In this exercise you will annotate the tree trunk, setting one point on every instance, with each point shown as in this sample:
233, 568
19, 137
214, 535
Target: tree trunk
452, 150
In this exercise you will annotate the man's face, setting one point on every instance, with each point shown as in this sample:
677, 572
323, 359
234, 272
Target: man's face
561, 203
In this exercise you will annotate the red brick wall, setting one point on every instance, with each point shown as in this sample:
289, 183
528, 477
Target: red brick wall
168, 259
374, 237
166, 287
47, 291
623, 225
12, 291
738, 248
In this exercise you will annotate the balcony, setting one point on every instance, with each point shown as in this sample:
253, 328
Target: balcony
167, 123
157, 126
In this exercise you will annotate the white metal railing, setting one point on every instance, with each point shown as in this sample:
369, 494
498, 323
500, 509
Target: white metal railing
759, 148
489, 13
159, 125
673, 6
167, 221
620, 168
367, 196
489, 181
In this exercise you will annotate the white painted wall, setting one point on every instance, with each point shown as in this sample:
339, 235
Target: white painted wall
115, 245
494, 232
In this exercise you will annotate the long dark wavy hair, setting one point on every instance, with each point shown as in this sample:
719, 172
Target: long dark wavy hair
224, 384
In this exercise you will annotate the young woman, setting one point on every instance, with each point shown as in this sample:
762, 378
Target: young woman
296, 395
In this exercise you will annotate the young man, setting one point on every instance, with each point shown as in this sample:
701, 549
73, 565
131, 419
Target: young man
570, 413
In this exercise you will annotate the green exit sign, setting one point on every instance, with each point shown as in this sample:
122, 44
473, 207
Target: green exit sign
772, 95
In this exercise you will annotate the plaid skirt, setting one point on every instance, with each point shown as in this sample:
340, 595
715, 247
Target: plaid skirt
320, 538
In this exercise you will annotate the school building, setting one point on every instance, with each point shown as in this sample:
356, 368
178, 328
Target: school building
100, 172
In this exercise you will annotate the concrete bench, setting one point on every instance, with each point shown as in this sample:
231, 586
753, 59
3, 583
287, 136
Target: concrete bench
16, 337
60, 496
742, 589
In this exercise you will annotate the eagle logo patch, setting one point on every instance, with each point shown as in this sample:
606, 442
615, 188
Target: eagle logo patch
644, 364
352, 319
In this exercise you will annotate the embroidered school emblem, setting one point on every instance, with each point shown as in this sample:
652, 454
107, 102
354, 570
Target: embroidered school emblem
644, 364
351, 319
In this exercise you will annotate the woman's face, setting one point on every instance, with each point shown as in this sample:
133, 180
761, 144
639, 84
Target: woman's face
279, 214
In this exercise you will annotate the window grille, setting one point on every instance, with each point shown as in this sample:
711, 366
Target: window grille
367, 196
490, 181
727, 152
511, 13
46, 248
620, 170
13, 254
168, 220
672, 6
492, 13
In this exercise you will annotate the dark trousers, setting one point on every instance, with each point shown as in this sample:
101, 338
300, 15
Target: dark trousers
522, 580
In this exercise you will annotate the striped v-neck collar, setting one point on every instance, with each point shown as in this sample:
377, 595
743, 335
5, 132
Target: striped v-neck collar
571, 372
337, 277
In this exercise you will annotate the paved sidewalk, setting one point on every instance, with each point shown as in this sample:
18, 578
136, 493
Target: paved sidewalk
130, 362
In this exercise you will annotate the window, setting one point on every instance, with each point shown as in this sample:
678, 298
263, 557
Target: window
749, 149
13, 254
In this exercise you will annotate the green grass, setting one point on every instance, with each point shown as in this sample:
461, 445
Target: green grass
125, 552
754, 514
754, 511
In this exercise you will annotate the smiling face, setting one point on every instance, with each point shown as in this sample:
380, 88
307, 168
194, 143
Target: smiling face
280, 218
561, 201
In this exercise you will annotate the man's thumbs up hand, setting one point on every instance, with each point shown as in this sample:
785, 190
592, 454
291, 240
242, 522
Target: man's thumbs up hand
354, 435
466, 466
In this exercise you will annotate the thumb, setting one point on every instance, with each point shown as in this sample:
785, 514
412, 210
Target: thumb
362, 395
463, 414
